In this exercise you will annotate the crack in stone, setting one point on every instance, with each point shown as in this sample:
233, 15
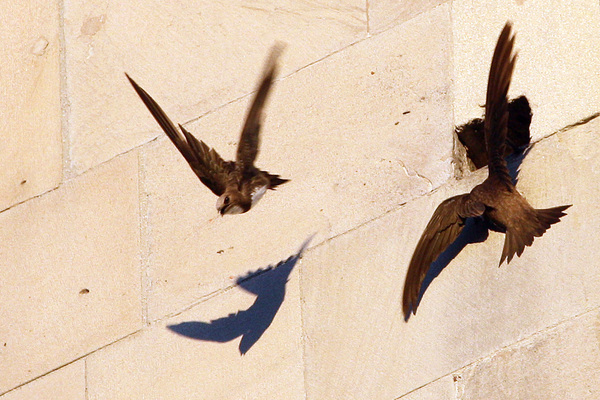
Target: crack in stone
582, 121
411, 173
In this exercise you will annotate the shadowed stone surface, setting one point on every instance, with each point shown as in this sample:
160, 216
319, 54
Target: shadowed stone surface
158, 363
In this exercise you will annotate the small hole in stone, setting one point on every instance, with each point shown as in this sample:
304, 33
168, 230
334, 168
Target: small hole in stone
84, 291
24, 181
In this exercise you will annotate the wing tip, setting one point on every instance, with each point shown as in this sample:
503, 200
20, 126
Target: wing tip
137, 87
409, 308
276, 50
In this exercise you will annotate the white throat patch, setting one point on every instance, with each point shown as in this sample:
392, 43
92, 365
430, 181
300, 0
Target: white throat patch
258, 193
234, 210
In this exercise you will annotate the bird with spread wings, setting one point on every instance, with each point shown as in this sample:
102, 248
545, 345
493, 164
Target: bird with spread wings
239, 184
496, 199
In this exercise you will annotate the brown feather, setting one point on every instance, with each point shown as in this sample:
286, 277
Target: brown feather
496, 104
165, 123
208, 165
205, 162
250, 139
238, 184
522, 233
444, 227
496, 198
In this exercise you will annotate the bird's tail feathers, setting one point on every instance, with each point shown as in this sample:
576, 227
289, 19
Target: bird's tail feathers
521, 235
550, 216
275, 180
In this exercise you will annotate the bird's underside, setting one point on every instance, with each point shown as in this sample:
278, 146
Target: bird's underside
496, 199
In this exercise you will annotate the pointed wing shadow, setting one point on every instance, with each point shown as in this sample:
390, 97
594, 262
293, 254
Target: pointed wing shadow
269, 287
513, 163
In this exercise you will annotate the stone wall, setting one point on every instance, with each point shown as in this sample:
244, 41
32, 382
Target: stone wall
113, 262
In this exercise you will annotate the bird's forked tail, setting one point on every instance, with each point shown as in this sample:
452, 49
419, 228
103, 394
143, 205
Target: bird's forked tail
522, 234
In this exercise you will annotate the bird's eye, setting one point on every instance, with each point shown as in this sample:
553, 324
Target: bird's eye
227, 200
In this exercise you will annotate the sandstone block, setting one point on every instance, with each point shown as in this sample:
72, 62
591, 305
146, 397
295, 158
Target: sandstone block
31, 150
67, 382
560, 363
70, 279
559, 58
357, 134
384, 14
352, 286
159, 363
193, 57
441, 389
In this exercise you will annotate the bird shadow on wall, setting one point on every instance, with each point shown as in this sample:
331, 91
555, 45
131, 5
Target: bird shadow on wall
476, 230
268, 284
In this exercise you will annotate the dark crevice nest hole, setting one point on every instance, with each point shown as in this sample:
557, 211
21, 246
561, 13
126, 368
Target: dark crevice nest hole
518, 137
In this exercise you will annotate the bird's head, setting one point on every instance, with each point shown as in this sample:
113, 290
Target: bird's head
231, 203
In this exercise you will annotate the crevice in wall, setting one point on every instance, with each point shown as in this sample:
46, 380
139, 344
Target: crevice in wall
582, 121
85, 378
420, 387
65, 182
252, 275
303, 337
281, 78
29, 199
198, 301
470, 152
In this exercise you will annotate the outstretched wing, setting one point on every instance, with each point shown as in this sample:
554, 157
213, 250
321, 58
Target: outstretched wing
250, 140
496, 104
205, 162
208, 164
444, 227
